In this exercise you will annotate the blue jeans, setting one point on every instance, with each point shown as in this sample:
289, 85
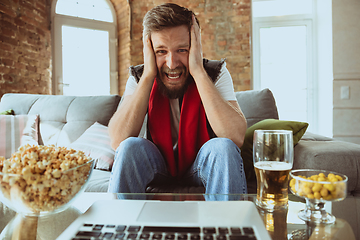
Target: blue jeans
218, 167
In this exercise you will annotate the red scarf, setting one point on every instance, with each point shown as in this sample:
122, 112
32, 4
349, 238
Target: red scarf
193, 131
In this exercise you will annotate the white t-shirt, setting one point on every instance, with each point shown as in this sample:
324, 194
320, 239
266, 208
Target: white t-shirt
224, 85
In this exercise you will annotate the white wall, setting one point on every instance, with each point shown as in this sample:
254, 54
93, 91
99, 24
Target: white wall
324, 74
346, 68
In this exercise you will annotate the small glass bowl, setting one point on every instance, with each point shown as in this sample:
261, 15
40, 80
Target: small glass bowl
39, 195
318, 187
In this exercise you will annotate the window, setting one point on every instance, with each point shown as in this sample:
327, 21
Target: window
84, 48
292, 60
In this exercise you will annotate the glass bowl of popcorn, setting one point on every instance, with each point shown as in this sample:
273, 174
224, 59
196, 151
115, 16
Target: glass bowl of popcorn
318, 187
39, 180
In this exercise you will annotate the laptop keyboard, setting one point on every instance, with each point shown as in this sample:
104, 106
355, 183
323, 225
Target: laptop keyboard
122, 232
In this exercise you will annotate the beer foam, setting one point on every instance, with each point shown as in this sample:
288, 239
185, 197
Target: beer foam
273, 165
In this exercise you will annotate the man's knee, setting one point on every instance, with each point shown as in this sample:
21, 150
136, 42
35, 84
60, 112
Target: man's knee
221, 145
137, 152
222, 153
125, 154
131, 144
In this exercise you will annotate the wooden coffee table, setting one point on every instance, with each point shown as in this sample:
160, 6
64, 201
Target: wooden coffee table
281, 224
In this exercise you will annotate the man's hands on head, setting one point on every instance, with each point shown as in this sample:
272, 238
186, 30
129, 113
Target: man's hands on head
150, 68
128, 119
225, 117
195, 55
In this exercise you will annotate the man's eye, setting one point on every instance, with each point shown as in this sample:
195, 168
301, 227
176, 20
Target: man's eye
183, 50
160, 52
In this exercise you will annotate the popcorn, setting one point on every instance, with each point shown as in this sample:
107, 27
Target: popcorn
43, 178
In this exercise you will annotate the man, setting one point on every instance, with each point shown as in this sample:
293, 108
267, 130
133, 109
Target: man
195, 126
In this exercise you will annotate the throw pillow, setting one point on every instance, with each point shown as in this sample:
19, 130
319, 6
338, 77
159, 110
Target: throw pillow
8, 112
16, 131
95, 142
298, 129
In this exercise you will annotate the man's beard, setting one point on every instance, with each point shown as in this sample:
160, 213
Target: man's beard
173, 93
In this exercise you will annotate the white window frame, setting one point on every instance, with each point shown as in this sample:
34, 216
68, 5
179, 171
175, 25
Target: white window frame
307, 20
58, 21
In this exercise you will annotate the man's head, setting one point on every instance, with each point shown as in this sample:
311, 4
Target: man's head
166, 15
168, 26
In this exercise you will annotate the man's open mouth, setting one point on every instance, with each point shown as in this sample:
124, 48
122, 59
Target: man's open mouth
173, 76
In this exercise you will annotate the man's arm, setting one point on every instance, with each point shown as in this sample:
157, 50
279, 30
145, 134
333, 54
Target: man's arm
225, 117
128, 119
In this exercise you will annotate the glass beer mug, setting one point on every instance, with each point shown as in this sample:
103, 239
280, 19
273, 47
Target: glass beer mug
273, 154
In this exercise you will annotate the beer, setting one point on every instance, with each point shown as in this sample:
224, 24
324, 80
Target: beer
272, 184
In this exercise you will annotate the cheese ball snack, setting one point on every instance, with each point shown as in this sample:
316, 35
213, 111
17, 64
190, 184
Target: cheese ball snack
39, 179
318, 185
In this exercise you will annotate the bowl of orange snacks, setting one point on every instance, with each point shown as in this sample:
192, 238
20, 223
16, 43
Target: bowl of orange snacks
318, 187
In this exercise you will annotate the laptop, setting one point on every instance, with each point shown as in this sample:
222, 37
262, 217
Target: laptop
168, 220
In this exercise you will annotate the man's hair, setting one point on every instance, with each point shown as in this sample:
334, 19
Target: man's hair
165, 16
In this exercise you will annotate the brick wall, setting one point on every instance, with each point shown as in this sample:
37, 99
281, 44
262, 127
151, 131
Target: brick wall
25, 40
25, 46
225, 34
123, 13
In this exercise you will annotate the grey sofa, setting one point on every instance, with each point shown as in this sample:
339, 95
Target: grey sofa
63, 119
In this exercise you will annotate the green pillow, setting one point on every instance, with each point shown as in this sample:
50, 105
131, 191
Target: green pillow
298, 128
8, 112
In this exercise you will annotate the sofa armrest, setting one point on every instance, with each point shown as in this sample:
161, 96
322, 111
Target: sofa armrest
331, 155
315, 137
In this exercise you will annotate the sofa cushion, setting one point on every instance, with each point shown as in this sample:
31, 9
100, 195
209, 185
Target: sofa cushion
337, 156
98, 181
62, 118
257, 105
298, 129
16, 131
95, 142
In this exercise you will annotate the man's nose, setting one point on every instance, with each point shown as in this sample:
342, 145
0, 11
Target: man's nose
172, 61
